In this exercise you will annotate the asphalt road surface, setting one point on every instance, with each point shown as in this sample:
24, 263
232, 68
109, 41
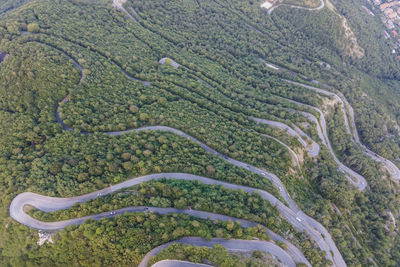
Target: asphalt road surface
176, 263
48, 204
299, 220
293, 214
321, 6
233, 245
313, 148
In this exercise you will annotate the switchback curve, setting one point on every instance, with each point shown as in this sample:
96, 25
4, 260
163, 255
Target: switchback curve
177, 263
313, 228
234, 245
321, 6
352, 130
348, 114
49, 204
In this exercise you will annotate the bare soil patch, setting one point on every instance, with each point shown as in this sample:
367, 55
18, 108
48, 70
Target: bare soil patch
349, 45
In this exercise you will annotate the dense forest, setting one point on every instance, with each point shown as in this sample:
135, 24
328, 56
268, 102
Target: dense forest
9, 5
127, 239
78, 69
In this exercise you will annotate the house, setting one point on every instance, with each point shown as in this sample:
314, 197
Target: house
267, 5
389, 24
387, 5
388, 11
392, 15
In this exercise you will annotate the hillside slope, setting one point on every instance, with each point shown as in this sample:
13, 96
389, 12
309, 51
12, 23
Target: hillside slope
129, 126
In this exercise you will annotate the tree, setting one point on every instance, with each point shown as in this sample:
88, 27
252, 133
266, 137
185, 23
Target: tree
210, 170
127, 165
33, 27
134, 109
168, 61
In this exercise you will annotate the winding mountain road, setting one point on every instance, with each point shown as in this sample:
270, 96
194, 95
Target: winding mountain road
176, 263
233, 245
164, 60
312, 147
352, 130
389, 165
321, 6
348, 113
353, 177
314, 225
276, 181
295, 158
293, 214
118, 4
50, 204
326, 93
300, 221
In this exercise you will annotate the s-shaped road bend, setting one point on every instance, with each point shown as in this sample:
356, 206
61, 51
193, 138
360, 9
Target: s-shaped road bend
177, 263
299, 220
352, 130
389, 165
233, 245
361, 183
321, 6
